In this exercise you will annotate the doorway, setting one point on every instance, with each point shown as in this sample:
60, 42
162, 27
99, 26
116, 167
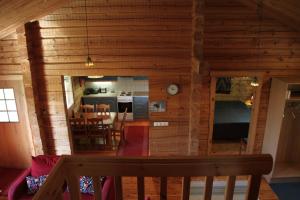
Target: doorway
125, 100
233, 114
16, 142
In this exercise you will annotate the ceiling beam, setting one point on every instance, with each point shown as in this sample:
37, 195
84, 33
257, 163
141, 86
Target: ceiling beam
15, 13
285, 11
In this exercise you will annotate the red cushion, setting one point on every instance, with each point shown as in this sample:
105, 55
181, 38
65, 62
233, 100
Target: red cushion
42, 165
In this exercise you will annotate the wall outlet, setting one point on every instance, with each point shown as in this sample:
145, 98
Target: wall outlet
160, 123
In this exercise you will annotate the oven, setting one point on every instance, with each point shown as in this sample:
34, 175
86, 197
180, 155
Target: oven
123, 103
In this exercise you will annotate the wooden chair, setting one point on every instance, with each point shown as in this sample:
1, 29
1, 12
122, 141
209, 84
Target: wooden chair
78, 129
87, 108
119, 130
97, 130
103, 109
77, 126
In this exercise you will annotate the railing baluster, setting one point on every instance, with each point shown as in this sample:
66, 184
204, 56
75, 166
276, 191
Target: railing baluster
97, 187
186, 188
230, 188
163, 188
58, 195
141, 187
73, 185
253, 187
209, 180
118, 186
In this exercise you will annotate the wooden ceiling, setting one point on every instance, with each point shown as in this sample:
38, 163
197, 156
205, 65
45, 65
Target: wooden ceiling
15, 13
285, 11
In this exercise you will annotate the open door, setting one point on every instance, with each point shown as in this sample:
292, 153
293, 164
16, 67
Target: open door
16, 142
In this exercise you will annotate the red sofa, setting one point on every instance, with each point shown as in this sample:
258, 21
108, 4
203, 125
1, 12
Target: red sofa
42, 165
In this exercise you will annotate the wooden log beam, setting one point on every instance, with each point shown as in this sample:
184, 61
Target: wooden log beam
285, 11
196, 73
30, 88
16, 13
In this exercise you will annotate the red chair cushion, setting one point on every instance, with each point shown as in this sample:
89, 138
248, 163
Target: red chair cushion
42, 165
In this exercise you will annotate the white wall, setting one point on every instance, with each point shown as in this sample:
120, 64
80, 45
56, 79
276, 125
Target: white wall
274, 120
123, 84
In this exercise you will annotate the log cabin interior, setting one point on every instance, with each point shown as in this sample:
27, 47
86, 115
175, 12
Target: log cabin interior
162, 99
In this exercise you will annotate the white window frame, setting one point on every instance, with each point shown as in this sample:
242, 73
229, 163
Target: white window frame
10, 114
68, 85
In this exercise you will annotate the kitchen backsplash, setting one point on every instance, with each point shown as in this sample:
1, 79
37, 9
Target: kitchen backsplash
123, 84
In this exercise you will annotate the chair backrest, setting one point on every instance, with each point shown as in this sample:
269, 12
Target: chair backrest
87, 108
122, 127
103, 108
94, 125
77, 124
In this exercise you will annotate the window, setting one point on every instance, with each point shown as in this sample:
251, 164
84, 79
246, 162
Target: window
68, 91
8, 107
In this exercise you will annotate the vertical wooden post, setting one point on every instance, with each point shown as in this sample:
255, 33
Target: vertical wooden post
186, 188
118, 187
163, 188
29, 73
97, 187
253, 187
208, 187
230, 188
73, 184
196, 74
141, 187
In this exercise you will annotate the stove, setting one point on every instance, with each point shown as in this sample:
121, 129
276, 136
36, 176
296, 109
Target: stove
125, 93
125, 100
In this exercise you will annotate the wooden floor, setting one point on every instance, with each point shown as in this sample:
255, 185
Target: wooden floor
152, 188
152, 185
228, 148
287, 170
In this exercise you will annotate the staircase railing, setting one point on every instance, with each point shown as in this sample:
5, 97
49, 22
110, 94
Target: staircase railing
70, 168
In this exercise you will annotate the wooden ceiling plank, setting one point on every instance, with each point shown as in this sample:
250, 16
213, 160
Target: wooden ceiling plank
16, 13
288, 13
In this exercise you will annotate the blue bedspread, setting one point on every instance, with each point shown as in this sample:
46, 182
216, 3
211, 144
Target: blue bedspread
231, 120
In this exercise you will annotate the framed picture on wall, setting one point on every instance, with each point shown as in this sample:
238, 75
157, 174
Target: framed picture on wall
158, 106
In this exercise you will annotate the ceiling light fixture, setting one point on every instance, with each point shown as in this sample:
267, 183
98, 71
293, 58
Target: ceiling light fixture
254, 82
95, 77
89, 62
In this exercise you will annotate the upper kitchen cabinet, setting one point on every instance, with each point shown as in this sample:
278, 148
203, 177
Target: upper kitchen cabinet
101, 79
140, 78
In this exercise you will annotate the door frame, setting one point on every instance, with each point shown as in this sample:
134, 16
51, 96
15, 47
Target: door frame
28, 133
254, 110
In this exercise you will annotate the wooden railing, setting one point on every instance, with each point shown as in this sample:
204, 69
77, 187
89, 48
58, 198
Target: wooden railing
69, 168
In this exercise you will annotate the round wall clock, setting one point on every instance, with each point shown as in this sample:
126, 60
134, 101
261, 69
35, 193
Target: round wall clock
173, 89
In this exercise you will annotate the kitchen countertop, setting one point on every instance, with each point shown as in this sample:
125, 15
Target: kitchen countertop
140, 94
109, 94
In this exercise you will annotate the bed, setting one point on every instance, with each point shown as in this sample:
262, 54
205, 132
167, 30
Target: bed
231, 120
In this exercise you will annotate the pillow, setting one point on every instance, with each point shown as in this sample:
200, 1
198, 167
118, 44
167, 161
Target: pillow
86, 184
34, 183
42, 165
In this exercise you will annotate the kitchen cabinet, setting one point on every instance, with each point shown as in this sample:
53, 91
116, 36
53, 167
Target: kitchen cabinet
105, 78
112, 101
140, 78
140, 107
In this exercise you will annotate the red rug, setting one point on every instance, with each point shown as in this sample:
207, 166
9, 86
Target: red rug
137, 141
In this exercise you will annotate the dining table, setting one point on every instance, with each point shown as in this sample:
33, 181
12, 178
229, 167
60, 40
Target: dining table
107, 117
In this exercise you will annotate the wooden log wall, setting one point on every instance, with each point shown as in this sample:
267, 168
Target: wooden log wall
152, 38
9, 57
235, 39
132, 37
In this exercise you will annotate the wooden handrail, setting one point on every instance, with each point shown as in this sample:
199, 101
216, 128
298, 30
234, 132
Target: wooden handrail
69, 168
